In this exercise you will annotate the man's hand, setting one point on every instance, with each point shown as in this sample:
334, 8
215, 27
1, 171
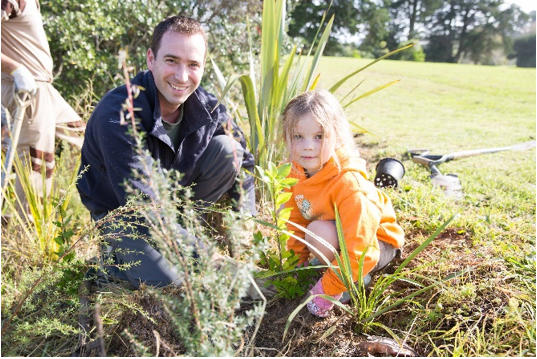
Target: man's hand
24, 80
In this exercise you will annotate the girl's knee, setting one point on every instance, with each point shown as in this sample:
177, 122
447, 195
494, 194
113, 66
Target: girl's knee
323, 228
327, 231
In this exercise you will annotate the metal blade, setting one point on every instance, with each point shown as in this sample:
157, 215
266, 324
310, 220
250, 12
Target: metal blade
523, 146
450, 184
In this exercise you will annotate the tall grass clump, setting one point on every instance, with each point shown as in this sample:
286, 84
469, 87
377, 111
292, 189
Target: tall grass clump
43, 262
45, 216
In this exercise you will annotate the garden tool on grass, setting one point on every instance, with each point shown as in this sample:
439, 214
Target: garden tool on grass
450, 183
23, 100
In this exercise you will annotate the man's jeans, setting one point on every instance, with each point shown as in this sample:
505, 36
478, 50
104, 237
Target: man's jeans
140, 262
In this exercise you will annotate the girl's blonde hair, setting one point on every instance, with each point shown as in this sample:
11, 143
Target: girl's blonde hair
327, 111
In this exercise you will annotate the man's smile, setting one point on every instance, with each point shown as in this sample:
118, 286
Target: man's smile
178, 88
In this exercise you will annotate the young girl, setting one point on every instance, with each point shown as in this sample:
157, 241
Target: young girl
330, 172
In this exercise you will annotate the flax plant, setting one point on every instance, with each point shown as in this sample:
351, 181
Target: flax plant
277, 82
44, 217
282, 76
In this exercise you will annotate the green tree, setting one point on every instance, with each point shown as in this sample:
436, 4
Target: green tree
351, 18
410, 14
401, 28
524, 48
459, 27
524, 45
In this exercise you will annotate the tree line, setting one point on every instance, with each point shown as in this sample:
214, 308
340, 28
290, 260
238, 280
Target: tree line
86, 36
477, 31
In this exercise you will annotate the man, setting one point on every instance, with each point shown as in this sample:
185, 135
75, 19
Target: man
27, 67
180, 130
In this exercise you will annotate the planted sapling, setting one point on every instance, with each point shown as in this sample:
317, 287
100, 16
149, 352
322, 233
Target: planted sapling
290, 282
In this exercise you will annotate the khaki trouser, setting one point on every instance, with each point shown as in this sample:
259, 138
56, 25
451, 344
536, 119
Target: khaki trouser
48, 116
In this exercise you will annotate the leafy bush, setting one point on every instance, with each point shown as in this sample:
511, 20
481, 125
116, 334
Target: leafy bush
524, 48
280, 261
439, 48
85, 36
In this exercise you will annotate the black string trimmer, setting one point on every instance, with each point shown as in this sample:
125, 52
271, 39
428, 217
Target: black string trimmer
450, 184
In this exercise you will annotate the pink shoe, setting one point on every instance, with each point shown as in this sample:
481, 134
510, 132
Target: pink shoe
319, 306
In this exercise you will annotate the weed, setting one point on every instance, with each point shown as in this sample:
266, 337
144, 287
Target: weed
281, 262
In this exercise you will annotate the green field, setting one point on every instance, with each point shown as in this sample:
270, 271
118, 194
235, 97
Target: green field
447, 108
444, 107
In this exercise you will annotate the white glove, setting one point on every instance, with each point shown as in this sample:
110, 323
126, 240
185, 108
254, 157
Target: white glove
24, 80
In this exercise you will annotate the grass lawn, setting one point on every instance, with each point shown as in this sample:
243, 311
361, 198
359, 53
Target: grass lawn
447, 108
443, 107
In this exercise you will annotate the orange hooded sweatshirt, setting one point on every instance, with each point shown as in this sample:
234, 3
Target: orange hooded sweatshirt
366, 214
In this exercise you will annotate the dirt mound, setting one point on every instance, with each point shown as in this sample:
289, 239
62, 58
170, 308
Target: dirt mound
307, 335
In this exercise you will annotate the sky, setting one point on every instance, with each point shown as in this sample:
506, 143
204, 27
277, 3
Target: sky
525, 5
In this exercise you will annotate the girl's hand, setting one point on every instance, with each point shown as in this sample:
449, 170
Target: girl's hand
319, 306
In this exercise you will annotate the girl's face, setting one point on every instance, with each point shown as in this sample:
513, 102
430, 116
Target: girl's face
309, 146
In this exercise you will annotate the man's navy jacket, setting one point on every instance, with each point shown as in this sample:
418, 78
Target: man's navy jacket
109, 151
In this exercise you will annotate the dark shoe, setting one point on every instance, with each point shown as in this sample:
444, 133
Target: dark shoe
346, 297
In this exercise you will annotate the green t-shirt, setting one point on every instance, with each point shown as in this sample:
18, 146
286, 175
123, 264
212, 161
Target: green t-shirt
173, 129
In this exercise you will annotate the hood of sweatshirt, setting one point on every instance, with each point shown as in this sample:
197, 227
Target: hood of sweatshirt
328, 172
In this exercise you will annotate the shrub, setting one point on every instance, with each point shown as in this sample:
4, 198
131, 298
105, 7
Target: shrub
415, 53
524, 48
204, 310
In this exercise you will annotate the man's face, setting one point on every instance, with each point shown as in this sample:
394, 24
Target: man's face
177, 68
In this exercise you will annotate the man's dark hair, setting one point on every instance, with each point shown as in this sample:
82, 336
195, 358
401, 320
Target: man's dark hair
177, 23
